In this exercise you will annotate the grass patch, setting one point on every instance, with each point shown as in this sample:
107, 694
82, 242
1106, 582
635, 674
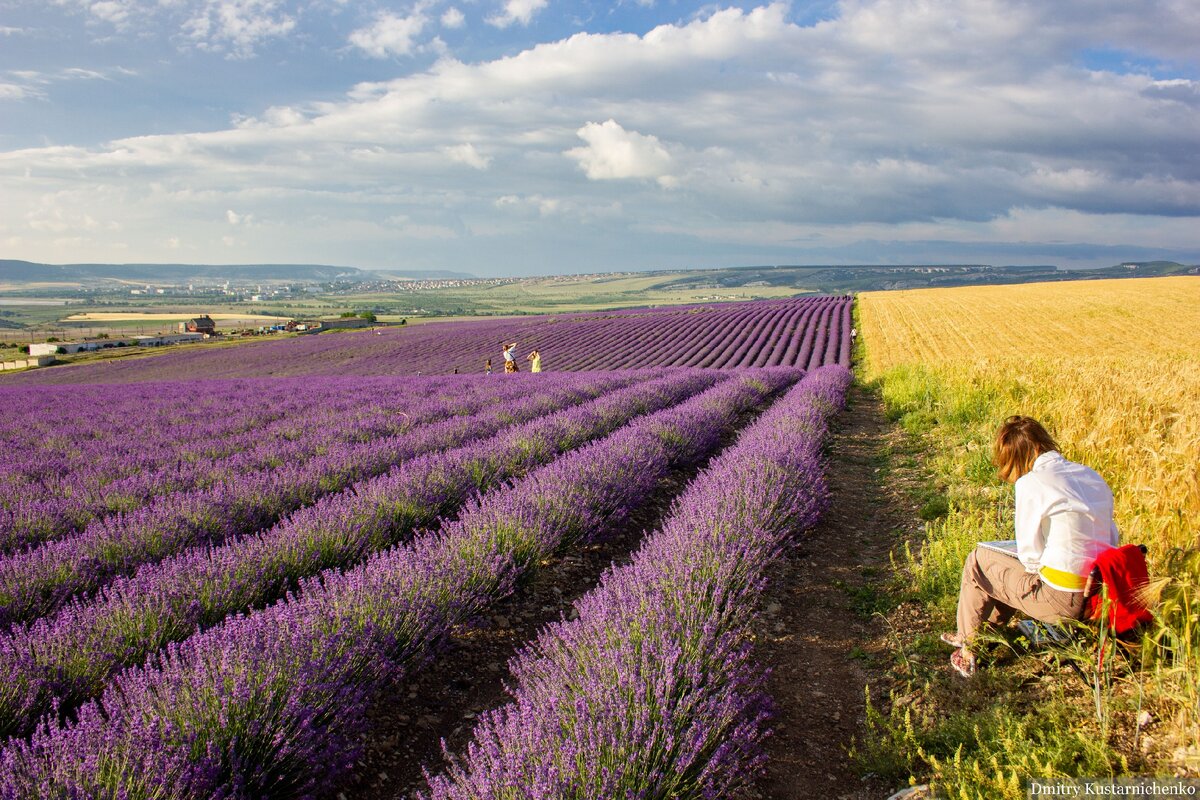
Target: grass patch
1027, 714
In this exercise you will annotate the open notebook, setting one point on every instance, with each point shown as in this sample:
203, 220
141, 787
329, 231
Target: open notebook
1008, 546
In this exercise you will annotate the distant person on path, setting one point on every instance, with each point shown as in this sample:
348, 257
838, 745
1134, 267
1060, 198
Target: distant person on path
535, 360
1064, 520
487, 367
510, 358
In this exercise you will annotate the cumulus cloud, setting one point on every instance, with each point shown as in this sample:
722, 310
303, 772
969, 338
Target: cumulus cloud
113, 12
453, 18
614, 153
390, 35
517, 12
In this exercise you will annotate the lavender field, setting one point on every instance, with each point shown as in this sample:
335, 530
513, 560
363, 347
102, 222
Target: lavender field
217, 567
805, 332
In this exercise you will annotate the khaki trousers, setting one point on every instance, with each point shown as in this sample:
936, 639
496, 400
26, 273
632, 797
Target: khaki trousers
995, 585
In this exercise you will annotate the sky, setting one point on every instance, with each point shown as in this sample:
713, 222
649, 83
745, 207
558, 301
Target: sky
525, 137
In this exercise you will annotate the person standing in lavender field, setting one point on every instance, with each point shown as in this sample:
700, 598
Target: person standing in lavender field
510, 358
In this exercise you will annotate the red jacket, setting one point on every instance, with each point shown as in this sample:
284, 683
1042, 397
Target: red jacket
1123, 571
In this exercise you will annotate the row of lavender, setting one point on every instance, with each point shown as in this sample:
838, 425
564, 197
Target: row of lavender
804, 332
274, 704
64, 659
651, 691
36, 581
145, 444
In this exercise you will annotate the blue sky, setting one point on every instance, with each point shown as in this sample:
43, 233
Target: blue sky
542, 136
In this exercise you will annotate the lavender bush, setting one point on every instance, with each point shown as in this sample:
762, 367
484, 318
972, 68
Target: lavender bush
62, 660
273, 704
127, 444
651, 691
35, 582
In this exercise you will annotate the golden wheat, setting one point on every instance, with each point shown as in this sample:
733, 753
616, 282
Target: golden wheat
1112, 367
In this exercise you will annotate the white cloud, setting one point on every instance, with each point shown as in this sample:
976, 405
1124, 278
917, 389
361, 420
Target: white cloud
33, 84
389, 35
613, 153
13, 91
78, 73
543, 206
467, 154
453, 18
236, 27
516, 11
894, 122
112, 11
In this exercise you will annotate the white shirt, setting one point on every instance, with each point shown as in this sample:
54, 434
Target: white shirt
508, 355
1064, 519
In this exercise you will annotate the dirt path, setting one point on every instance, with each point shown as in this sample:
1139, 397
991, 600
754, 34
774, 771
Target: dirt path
819, 634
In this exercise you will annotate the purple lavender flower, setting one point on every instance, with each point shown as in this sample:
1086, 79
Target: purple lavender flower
273, 703
651, 690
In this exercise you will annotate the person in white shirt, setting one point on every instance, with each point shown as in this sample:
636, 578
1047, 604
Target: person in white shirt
510, 358
1064, 520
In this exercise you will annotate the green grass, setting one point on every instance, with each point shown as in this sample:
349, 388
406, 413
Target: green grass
1025, 715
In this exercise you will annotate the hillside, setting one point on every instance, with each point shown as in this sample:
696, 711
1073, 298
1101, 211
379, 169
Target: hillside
99, 274
867, 277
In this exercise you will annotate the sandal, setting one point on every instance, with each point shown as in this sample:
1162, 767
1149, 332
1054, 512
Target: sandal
963, 664
952, 640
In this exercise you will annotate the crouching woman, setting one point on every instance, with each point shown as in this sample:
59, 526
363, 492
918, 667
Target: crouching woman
1064, 519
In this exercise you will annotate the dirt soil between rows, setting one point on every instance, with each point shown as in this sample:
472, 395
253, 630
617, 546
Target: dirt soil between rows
819, 633
814, 635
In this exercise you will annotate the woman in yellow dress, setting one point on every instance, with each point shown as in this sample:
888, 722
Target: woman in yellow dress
535, 360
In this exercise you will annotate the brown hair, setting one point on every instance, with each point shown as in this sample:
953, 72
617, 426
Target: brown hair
1019, 442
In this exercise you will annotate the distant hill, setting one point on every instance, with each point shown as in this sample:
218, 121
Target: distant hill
30, 272
872, 277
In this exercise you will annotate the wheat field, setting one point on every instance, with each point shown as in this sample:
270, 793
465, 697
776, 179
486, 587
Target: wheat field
1112, 367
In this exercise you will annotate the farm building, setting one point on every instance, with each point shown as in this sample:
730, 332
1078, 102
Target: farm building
45, 348
201, 324
52, 348
24, 363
